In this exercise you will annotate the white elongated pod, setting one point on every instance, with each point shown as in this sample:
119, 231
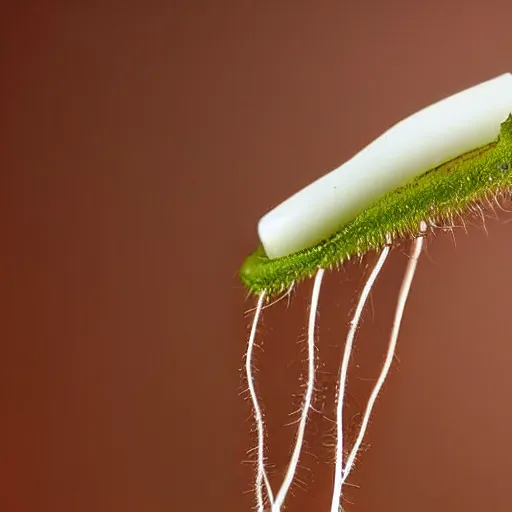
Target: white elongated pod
430, 137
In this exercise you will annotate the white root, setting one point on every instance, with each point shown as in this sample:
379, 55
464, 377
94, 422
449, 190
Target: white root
292, 467
354, 323
342, 471
261, 475
402, 299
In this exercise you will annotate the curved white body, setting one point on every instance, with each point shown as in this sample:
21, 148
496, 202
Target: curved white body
432, 136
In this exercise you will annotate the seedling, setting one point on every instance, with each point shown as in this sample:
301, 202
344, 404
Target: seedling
438, 164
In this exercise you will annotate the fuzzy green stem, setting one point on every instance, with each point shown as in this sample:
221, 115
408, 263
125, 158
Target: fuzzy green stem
437, 195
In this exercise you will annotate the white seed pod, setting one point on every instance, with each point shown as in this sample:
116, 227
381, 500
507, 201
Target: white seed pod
426, 139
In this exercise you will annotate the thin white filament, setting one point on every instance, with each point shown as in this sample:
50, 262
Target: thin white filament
402, 299
268, 488
261, 475
354, 323
292, 467
280, 298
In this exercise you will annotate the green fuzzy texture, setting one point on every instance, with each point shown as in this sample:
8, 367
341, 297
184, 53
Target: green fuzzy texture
437, 195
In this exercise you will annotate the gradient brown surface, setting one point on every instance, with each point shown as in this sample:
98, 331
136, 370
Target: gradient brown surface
140, 146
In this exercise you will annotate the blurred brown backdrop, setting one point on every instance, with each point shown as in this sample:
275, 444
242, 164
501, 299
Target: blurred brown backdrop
140, 145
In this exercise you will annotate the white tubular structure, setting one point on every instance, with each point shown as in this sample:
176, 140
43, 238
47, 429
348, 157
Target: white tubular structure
432, 136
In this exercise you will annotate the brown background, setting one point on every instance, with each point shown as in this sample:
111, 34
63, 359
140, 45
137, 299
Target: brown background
140, 146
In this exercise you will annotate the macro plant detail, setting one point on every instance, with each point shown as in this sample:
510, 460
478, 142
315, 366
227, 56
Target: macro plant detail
448, 160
